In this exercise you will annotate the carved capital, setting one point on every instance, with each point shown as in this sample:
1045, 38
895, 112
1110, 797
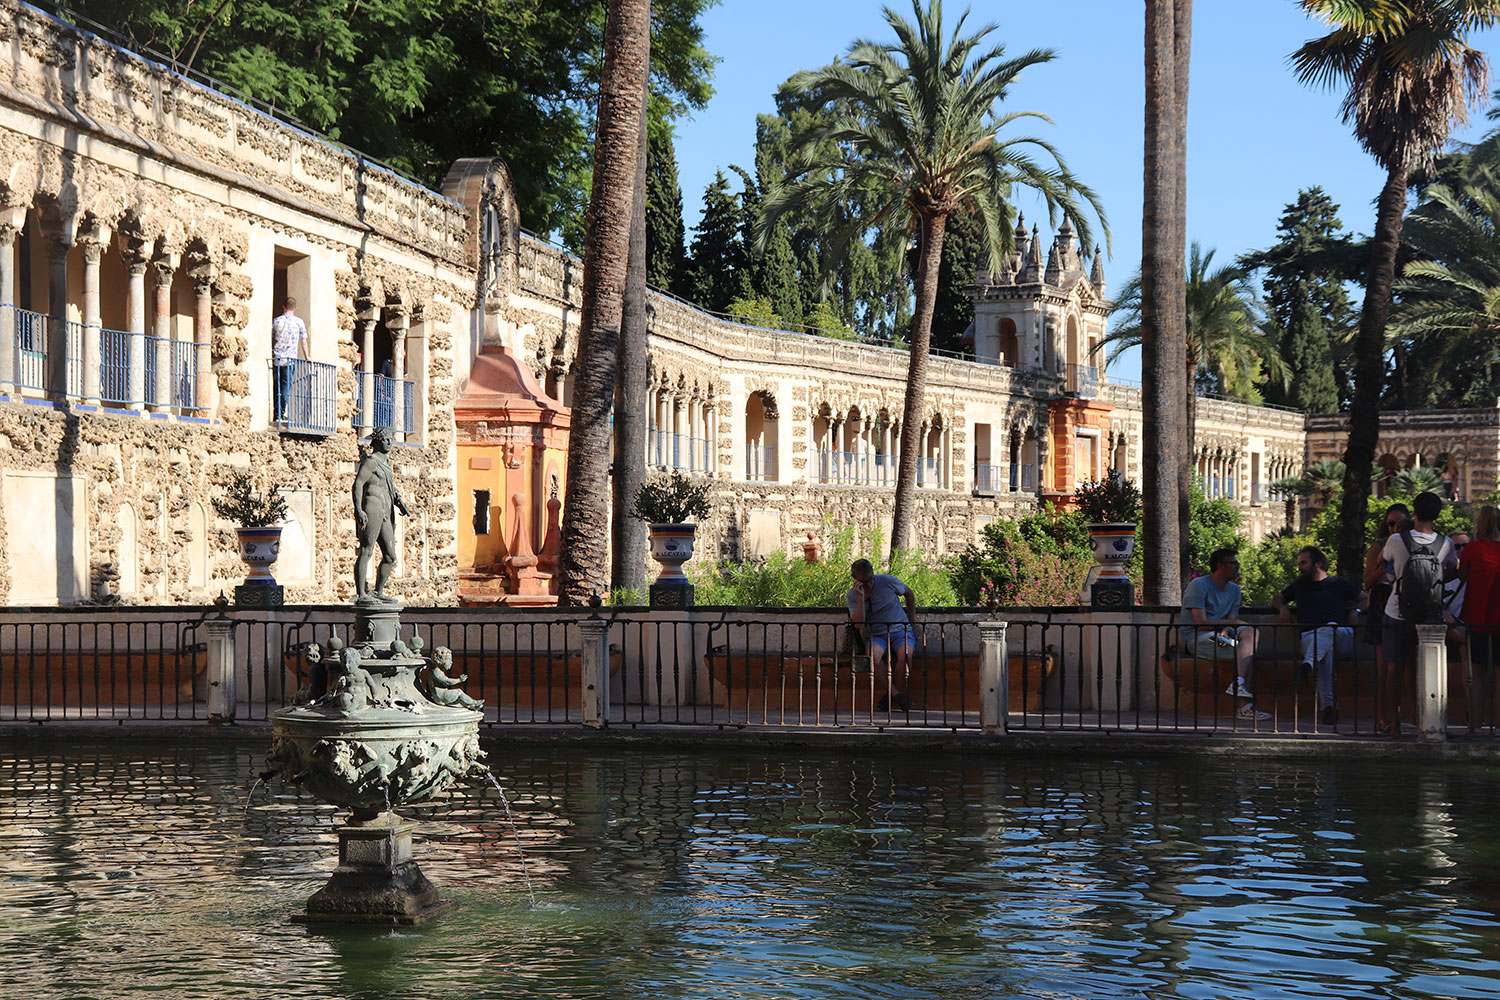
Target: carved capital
93, 251
163, 271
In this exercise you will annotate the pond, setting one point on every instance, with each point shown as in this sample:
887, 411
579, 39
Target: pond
130, 868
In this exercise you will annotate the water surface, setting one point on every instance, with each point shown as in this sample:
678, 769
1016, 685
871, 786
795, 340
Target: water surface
128, 869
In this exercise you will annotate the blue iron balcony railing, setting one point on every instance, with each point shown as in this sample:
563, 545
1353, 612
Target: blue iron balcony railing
760, 463
385, 390
304, 397
1083, 381
48, 353
987, 477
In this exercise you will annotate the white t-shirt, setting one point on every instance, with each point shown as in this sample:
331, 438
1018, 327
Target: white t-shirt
1398, 554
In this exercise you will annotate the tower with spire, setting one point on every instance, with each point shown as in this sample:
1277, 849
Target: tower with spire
1043, 312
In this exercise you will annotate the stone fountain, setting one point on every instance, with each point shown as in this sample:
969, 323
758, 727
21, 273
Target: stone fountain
378, 725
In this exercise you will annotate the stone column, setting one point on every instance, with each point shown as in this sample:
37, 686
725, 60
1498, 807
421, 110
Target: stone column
135, 323
160, 392
712, 424
395, 322
1432, 683
57, 312
93, 252
994, 682
8, 233
366, 375
202, 339
679, 421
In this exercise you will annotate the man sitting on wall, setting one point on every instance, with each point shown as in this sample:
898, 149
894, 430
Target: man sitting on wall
1323, 605
875, 602
1212, 628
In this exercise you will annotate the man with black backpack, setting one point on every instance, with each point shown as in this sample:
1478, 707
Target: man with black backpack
1422, 560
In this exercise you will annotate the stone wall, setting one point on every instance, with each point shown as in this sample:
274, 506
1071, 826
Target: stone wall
115, 158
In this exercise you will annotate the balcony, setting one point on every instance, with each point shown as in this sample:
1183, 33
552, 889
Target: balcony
305, 397
987, 478
1082, 381
385, 392
135, 369
1022, 478
681, 452
929, 473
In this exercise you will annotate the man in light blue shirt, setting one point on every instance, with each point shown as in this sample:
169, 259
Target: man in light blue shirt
875, 601
1213, 630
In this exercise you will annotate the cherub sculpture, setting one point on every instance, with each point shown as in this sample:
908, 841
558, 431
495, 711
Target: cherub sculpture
442, 688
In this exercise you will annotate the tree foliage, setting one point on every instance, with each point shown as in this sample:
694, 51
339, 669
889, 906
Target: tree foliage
665, 253
421, 83
1308, 311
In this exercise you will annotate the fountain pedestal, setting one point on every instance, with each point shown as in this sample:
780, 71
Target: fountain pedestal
376, 882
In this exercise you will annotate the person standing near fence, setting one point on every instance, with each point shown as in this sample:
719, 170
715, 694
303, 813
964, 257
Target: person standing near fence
1479, 568
1422, 559
1380, 575
1323, 606
1212, 628
875, 601
288, 344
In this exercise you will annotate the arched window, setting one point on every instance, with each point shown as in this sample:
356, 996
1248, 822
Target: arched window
1010, 344
761, 428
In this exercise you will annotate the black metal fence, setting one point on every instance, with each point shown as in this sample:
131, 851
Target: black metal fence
1066, 670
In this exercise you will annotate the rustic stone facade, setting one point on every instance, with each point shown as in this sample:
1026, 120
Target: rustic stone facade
148, 229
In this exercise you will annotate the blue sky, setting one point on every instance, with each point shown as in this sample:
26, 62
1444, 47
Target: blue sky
1255, 136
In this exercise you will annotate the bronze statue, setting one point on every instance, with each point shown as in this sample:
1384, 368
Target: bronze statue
376, 501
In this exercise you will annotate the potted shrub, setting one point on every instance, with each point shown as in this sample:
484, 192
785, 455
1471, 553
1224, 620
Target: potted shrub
1111, 507
258, 521
669, 506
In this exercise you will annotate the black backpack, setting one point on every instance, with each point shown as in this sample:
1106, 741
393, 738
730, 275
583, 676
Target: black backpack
1419, 589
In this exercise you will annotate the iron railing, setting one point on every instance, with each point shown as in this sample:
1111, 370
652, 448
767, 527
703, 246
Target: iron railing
48, 353
754, 667
383, 413
1083, 381
760, 463
304, 397
987, 477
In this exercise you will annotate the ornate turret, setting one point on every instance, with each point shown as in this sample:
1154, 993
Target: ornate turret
1031, 267
1054, 266
982, 275
1066, 247
1096, 276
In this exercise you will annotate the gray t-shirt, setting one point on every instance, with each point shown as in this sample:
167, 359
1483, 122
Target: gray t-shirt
884, 604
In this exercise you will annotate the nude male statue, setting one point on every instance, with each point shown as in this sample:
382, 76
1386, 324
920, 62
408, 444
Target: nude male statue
376, 501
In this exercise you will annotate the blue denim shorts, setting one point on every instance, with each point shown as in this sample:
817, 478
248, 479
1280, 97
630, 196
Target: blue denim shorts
883, 637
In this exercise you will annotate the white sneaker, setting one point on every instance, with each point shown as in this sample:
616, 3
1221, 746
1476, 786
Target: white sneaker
1249, 711
1238, 689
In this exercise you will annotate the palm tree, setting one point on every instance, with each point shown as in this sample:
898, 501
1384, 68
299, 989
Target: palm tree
1418, 479
1450, 293
1291, 489
1410, 76
1223, 330
1326, 478
1167, 449
914, 138
584, 560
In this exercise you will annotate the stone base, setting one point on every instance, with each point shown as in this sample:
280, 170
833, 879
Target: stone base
376, 881
671, 595
259, 597
1107, 593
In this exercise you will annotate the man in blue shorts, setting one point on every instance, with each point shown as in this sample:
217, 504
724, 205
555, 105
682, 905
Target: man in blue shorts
1212, 628
875, 602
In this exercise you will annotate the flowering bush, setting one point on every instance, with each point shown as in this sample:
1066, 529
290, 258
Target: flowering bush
1039, 561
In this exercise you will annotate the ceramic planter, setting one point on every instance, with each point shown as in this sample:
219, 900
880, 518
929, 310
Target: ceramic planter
1113, 545
671, 546
259, 548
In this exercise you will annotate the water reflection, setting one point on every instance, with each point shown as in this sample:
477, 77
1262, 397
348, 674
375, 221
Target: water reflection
127, 868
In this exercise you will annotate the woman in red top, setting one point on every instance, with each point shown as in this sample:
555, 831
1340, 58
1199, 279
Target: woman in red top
1479, 568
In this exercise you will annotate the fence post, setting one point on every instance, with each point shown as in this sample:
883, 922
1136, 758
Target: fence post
1432, 683
994, 685
595, 632
222, 692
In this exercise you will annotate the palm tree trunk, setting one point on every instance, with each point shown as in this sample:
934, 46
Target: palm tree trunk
1369, 373
606, 255
1163, 300
629, 533
1187, 450
916, 379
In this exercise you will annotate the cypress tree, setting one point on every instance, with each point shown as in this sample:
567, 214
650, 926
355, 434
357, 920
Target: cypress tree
954, 309
778, 277
1306, 300
717, 269
664, 228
